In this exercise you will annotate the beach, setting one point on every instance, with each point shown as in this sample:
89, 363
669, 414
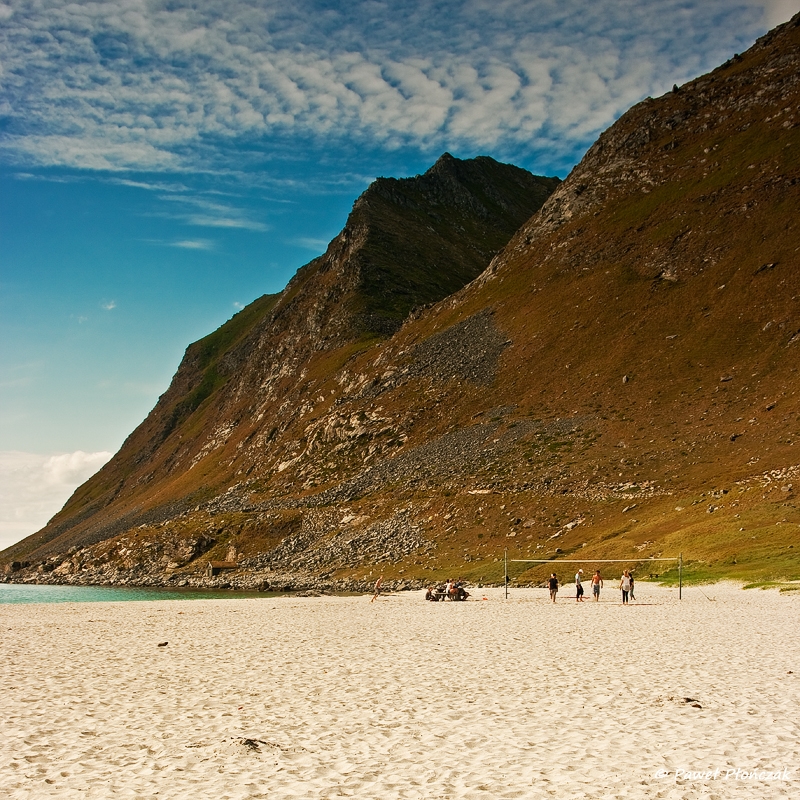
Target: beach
305, 697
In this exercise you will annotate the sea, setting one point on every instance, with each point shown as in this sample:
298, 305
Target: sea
35, 593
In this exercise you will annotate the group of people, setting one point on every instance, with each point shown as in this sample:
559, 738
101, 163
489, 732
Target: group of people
454, 589
625, 585
449, 590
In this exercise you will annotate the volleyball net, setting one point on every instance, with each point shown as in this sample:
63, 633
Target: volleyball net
553, 561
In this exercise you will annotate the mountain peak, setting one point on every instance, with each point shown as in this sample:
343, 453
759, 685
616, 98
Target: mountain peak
444, 163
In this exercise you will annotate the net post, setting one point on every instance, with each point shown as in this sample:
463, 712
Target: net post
680, 575
505, 569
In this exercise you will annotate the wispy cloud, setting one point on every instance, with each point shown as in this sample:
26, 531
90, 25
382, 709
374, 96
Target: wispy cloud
34, 487
310, 243
29, 176
211, 221
124, 84
150, 186
777, 11
21, 374
202, 212
109, 305
193, 244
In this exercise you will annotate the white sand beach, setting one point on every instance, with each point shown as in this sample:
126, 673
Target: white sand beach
339, 697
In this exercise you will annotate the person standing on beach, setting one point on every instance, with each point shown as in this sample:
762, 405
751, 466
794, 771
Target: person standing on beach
553, 583
630, 575
578, 586
377, 588
625, 585
597, 584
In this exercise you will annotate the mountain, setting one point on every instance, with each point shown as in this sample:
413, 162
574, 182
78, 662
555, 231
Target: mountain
240, 393
619, 382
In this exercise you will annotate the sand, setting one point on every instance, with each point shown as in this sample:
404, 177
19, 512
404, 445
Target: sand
339, 697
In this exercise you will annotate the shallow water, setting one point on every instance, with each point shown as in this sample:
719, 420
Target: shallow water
33, 593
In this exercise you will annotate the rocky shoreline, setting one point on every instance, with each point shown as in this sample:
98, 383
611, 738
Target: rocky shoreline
241, 579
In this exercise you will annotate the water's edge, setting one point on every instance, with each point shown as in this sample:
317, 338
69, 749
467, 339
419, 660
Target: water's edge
46, 593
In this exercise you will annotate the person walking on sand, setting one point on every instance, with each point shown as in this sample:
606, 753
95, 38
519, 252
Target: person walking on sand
553, 584
597, 584
630, 575
625, 585
578, 586
377, 588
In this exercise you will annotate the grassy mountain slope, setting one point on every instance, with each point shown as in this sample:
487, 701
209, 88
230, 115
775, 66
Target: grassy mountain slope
652, 309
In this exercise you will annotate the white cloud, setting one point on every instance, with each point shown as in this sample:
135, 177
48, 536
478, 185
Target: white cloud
778, 11
151, 187
34, 487
129, 84
94, 147
310, 243
110, 305
206, 213
193, 244
211, 221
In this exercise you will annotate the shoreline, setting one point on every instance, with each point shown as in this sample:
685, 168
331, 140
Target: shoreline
284, 584
401, 699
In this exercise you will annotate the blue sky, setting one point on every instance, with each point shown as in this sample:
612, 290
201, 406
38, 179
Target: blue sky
164, 163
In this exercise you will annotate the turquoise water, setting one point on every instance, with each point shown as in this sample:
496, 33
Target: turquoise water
29, 593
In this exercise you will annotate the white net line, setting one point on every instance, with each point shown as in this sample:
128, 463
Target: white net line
586, 560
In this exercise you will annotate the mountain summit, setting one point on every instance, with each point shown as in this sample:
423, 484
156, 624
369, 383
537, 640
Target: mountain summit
620, 381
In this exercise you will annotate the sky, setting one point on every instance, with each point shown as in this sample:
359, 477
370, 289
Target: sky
164, 163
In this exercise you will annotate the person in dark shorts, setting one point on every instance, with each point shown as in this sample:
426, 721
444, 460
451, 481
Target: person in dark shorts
597, 584
553, 584
578, 586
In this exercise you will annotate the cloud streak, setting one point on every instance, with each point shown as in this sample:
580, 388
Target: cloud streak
161, 86
777, 11
193, 244
310, 243
207, 213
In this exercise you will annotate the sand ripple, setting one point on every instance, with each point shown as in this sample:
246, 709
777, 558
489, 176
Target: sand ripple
336, 697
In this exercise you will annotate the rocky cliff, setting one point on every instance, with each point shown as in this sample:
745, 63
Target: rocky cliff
620, 381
